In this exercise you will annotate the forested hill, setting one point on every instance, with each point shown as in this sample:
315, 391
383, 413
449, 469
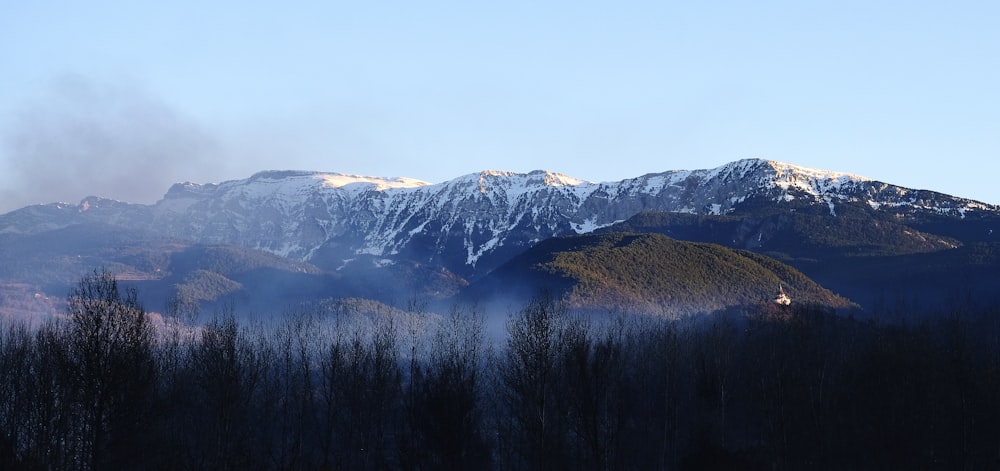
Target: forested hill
860, 253
649, 273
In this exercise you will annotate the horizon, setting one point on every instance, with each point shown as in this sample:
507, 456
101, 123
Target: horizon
413, 182
123, 100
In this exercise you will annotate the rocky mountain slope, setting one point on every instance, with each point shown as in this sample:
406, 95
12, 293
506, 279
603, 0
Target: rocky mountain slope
470, 224
432, 239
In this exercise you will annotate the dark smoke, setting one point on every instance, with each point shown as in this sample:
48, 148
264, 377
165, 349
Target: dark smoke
85, 138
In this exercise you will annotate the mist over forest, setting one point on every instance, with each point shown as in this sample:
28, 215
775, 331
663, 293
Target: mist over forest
356, 385
510, 236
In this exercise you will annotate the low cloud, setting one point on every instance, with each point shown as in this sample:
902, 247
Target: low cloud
85, 138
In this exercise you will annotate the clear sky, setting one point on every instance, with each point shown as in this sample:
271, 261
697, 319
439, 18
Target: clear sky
121, 99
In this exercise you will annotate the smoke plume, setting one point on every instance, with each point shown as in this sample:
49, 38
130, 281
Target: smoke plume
84, 138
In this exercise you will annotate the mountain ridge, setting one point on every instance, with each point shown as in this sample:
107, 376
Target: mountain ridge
456, 232
329, 218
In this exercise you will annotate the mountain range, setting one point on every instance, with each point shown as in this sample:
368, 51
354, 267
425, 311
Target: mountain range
279, 236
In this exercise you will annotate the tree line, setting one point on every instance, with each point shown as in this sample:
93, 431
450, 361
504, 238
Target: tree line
764, 388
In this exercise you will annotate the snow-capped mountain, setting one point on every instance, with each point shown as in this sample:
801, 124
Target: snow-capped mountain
468, 224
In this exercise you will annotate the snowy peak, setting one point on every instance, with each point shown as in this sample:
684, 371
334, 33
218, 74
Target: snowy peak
812, 181
298, 180
547, 178
491, 181
337, 180
475, 221
770, 174
294, 180
190, 190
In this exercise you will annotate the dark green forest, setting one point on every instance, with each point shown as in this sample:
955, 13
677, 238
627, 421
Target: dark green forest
648, 273
109, 386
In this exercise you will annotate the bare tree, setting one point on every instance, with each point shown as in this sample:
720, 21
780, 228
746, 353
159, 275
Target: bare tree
110, 345
360, 391
443, 400
597, 388
227, 368
533, 428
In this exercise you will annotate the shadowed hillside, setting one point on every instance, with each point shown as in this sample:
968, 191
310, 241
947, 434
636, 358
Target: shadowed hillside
650, 273
860, 253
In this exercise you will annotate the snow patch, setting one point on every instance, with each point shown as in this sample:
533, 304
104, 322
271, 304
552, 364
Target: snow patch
418, 229
473, 257
655, 184
286, 250
344, 262
369, 250
337, 180
590, 225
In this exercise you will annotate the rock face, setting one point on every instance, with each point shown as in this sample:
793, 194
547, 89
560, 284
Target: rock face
470, 224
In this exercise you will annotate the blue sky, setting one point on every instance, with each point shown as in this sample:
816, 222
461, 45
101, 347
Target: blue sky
120, 99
